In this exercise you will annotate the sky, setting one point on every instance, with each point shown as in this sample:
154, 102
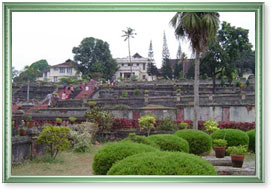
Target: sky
51, 35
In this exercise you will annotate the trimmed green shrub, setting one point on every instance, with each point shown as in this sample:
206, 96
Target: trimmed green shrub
162, 163
199, 142
166, 125
113, 152
146, 123
55, 138
140, 139
251, 135
170, 142
234, 137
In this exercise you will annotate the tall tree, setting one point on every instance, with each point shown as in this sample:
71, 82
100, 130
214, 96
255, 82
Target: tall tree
214, 62
166, 68
236, 43
93, 58
15, 73
199, 28
129, 33
152, 69
179, 52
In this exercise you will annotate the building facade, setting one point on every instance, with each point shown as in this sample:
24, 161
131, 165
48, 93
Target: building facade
138, 68
56, 72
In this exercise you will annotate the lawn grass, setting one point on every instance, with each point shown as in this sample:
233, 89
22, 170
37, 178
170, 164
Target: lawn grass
66, 163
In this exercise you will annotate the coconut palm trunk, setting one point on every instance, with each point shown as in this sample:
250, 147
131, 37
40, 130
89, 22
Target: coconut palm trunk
196, 92
130, 57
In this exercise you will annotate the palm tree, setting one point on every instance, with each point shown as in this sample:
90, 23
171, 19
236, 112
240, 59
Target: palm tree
199, 28
129, 33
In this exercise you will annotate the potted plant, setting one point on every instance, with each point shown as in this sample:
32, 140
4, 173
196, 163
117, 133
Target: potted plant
91, 104
219, 146
179, 91
29, 122
184, 125
58, 121
22, 131
72, 120
237, 155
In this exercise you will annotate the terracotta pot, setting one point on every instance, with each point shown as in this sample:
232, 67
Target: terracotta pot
22, 132
219, 152
237, 160
30, 123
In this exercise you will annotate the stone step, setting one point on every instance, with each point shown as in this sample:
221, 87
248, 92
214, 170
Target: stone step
226, 161
228, 170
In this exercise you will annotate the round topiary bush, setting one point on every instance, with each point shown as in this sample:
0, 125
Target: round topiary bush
170, 142
141, 139
113, 152
234, 137
162, 163
251, 135
199, 142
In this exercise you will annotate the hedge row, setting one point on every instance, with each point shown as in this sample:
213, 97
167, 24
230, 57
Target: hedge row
121, 123
162, 163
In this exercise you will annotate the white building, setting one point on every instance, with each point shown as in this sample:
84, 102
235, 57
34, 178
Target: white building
138, 66
56, 72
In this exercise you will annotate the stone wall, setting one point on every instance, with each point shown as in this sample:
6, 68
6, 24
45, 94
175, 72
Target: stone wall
25, 148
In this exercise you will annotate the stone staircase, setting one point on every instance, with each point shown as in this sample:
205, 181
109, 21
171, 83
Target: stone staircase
224, 166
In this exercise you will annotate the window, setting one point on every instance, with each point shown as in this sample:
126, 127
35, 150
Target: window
69, 70
137, 64
130, 64
55, 69
144, 77
121, 75
62, 70
45, 75
55, 79
122, 64
144, 66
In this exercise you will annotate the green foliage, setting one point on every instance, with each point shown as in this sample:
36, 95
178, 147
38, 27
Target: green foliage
179, 90
210, 126
251, 135
133, 78
162, 163
170, 142
146, 91
146, 123
103, 119
81, 140
124, 94
29, 117
93, 58
91, 103
219, 143
140, 139
166, 125
199, 142
72, 119
32, 72
137, 92
111, 153
166, 69
58, 120
234, 137
237, 150
55, 138
238, 84
184, 125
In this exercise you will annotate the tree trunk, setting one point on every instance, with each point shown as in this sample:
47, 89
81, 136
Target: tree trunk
130, 57
196, 92
27, 96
